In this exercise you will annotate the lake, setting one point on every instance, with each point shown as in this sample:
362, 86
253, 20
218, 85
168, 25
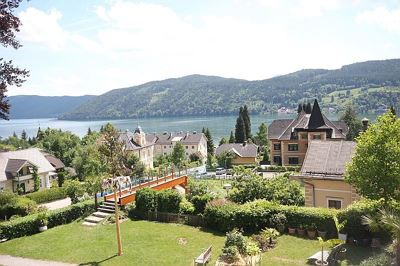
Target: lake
219, 126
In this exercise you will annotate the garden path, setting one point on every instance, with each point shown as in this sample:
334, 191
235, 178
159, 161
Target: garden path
8, 260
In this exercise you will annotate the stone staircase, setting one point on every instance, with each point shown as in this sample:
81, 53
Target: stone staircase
104, 210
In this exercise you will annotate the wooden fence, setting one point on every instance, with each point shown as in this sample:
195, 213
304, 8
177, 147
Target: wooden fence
166, 217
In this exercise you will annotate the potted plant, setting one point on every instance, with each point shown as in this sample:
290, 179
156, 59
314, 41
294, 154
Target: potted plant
301, 230
292, 228
42, 221
342, 235
312, 230
321, 230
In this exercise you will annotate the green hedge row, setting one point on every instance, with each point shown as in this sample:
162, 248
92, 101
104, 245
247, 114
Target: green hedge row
29, 225
151, 200
256, 215
47, 195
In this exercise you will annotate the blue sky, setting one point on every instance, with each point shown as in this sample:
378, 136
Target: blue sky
75, 47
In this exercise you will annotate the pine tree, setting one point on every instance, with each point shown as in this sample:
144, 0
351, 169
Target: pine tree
299, 108
89, 132
223, 141
240, 132
352, 121
308, 108
232, 138
392, 110
262, 135
304, 107
210, 142
39, 135
247, 123
15, 135
23, 135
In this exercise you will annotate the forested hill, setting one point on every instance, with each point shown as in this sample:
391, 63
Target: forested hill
33, 106
372, 86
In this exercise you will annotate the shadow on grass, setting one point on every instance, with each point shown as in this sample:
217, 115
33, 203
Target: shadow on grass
355, 254
97, 263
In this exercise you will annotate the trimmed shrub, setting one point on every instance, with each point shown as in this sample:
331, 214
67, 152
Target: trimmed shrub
256, 215
47, 195
168, 201
380, 259
186, 207
200, 201
29, 225
146, 200
11, 204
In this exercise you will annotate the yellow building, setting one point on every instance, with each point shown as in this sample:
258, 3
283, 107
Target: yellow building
322, 174
244, 153
289, 138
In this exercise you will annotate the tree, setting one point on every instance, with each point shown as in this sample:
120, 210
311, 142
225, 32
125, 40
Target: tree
93, 185
134, 165
393, 110
240, 131
210, 142
375, 167
178, 155
36, 179
299, 108
88, 162
74, 190
112, 150
232, 138
261, 138
308, 109
223, 141
247, 123
332, 99
351, 120
9, 75
89, 131
225, 159
23, 134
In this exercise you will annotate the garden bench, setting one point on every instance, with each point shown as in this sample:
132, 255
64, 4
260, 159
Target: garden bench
330, 257
204, 257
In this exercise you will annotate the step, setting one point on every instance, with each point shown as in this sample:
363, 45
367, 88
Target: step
108, 203
94, 219
107, 207
101, 214
105, 210
89, 224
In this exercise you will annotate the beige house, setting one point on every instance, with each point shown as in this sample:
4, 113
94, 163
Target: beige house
193, 142
16, 168
289, 138
245, 153
140, 144
322, 174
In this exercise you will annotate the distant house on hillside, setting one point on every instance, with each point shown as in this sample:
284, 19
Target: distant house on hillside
16, 168
289, 138
140, 144
193, 142
245, 153
322, 174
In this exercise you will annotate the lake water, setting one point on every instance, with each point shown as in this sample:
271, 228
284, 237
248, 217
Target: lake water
219, 125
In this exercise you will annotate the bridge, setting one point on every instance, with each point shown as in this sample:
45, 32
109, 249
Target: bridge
128, 195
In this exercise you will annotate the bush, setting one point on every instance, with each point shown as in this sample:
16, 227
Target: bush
11, 204
256, 215
186, 207
74, 189
200, 202
235, 238
47, 195
383, 259
29, 225
168, 201
146, 200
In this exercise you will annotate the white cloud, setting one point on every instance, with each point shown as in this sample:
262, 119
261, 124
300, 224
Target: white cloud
381, 16
41, 27
314, 8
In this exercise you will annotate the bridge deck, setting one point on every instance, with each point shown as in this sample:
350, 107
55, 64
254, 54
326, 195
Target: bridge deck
128, 195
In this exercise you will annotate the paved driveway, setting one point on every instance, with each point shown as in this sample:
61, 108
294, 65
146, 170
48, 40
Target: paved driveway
8, 260
58, 204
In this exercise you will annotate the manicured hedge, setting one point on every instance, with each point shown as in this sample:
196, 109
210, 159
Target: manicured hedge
168, 201
47, 195
28, 225
11, 204
255, 216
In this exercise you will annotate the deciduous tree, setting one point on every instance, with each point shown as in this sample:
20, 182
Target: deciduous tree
352, 121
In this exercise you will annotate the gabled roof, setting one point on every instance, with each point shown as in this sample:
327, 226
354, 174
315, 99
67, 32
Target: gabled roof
14, 165
327, 158
54, 161
33, 156
240, 149
127, 138
183, 137
283, 129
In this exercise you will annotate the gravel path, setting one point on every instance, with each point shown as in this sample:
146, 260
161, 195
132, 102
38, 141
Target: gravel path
58, 204
8, 260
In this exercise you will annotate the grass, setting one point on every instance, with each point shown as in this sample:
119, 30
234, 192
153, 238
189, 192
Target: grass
150, 243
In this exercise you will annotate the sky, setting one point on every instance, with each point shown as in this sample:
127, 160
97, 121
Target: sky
75, 47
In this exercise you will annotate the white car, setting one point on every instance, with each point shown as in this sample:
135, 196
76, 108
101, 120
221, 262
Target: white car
220, 171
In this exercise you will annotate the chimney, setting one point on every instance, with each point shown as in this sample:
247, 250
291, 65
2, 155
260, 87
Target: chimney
365, 123
244, 144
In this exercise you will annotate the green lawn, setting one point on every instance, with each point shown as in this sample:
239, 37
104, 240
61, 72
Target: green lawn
148, 243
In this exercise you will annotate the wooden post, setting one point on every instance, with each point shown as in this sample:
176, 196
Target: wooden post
117, 223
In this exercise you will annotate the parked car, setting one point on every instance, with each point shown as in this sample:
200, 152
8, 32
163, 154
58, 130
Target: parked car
220, 171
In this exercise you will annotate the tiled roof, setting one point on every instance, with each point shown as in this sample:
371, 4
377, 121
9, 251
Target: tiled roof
54, 161
276, 128
242, 150
33, 155
183, 137
14, 165
127, 138
327, 158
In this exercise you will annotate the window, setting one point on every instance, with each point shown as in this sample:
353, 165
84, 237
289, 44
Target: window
192, 147
186, 147
277, 146
165, 147
293, 160
316, 136
334, 203
277, 159
304, 136
293, 147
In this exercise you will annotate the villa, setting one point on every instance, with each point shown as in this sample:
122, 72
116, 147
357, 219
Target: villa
322, 174
289, 138
16, 168
244, 153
